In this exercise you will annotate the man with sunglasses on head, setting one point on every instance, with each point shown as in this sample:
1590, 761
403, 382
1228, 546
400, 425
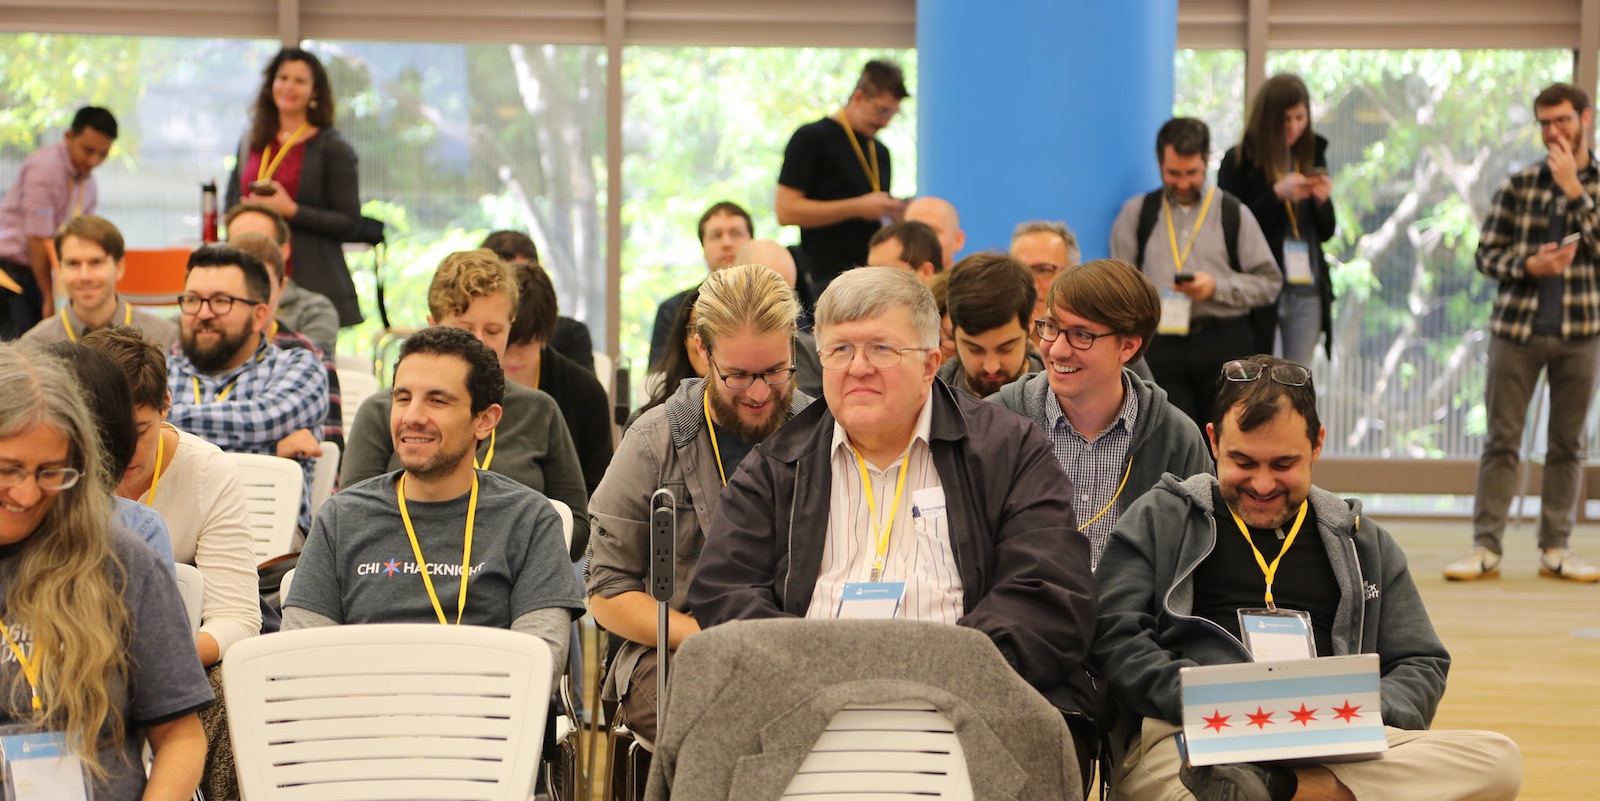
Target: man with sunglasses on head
1114, 433
1195, 560
692, 444
902, 498
230, 384
835, 179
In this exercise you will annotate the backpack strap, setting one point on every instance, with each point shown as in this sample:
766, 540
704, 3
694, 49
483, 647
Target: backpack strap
1230, 229
1148, 212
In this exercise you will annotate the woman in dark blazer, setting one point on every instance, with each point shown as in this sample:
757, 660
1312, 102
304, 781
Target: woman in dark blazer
294, 161
1280, 170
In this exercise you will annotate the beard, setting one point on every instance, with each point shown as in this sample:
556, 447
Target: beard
985, 386
1289, 506
213, 358
442, 463
728, 416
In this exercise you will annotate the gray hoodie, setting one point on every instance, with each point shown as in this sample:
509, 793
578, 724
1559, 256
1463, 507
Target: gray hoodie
1147, 629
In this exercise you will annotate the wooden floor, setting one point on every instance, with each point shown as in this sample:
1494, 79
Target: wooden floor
1526, 655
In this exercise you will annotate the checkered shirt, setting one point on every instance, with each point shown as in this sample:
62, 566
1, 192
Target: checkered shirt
1096, 467
1517, 225
277, 393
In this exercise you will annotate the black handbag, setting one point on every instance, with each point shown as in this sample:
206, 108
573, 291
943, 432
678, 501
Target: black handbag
370, 231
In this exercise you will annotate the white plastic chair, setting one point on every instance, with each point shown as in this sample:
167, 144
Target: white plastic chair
387, 711
606, 371
890, 751
191, 588
323, 476
565, 512
283, 585
355, 386
272, 488
352, 362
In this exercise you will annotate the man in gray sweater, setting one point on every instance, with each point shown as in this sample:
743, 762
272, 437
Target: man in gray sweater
1192, 558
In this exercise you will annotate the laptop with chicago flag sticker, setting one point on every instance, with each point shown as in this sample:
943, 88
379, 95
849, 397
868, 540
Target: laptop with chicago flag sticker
1326, 709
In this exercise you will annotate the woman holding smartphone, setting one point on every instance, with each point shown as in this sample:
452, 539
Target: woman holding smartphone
294, 161
1280, 170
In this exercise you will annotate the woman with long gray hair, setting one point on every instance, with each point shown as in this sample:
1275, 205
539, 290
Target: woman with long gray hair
98, 649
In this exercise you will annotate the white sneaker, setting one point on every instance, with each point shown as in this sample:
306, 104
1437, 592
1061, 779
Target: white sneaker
1480, 563
1562, 563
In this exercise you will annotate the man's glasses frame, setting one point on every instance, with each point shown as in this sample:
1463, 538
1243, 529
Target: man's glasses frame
219, 304
1078, 338
1288, 374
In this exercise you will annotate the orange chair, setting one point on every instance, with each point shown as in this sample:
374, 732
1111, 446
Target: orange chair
154, 277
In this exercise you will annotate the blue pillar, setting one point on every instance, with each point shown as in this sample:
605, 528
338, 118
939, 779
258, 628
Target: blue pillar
1041, 109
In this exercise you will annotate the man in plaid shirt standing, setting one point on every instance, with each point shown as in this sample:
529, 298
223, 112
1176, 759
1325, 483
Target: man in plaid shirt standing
1541, 241
229, 383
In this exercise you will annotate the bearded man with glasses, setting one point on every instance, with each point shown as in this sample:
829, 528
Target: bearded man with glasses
930, 504
693, 444
1113, 432
229, 383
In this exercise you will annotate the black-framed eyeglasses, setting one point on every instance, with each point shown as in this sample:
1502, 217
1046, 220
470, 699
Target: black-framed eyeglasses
776, 378
1563, 121
220, 304
1078, 338
1288, 374
50, 479
878, 354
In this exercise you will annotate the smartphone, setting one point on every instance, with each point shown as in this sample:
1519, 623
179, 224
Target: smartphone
1316, 171
1571, 239
263, 188
1183, 278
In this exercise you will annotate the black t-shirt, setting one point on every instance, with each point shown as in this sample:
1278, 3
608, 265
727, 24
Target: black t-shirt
820, 162
1229, 578
732, 448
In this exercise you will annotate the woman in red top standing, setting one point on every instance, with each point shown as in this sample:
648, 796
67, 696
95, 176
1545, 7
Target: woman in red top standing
294, 161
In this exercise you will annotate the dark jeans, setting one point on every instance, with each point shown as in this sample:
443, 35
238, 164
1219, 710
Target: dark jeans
1188, 367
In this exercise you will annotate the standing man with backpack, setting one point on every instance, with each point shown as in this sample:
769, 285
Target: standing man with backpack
1209, 259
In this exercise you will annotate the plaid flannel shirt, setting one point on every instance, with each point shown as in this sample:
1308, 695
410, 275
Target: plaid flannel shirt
273, 395
1517, 226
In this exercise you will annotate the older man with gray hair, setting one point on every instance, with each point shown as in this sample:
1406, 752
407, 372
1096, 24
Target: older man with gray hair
898, 498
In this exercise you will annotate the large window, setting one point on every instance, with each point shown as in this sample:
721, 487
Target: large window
180, 105
701, 125
1209, 85
1419, 141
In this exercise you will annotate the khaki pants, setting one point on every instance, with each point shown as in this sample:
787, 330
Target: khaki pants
1436, 765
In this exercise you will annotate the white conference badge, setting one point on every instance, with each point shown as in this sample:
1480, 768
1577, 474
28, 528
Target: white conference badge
1176, 310
40, 767
1297, 262
1275, 635
871, 600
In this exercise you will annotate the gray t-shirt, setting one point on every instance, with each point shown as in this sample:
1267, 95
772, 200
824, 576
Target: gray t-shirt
358, 566
165, 680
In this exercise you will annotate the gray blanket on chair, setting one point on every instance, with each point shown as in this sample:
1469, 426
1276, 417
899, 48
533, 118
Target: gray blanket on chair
749, 698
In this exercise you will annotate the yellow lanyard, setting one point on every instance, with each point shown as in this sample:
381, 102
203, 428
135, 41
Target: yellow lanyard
1172, 234
221, 396
538, 368
1271, 570
1294, 222
705, 399
161, 452
870, 169
872, 509
265, 170
1114, 498
30, 667
488, 458
127, 319
466, 552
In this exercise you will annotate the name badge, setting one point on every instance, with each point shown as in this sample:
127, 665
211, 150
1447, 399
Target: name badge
1275, 635
871, 600
1176, 309
40, 767
928, 503
1297, 262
